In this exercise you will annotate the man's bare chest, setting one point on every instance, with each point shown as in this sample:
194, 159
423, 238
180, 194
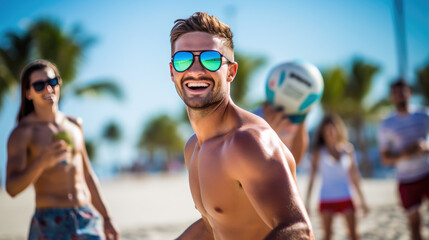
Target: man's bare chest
214, 189
43, 136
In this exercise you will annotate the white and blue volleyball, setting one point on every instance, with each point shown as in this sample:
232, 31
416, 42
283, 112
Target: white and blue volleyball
294, 86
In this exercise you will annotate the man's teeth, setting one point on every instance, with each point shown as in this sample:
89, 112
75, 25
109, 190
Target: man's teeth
198, 85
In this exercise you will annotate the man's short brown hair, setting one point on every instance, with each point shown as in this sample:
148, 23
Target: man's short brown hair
400, 82
201, 22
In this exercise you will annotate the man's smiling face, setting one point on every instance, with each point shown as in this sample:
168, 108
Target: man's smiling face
198, 87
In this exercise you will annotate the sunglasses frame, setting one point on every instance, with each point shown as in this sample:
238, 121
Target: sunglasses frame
199, 59
45, 82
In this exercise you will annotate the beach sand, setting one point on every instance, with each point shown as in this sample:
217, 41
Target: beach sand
160, 207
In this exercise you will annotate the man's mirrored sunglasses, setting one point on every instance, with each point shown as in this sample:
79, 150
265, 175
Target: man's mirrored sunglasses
209, 59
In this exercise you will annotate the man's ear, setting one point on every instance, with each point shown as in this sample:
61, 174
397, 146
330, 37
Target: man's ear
171, 71
232, 71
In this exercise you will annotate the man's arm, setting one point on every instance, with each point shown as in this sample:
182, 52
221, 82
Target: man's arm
198, 230
97, 200
300, 143
19, 174
262, 167
390, 157
294, 136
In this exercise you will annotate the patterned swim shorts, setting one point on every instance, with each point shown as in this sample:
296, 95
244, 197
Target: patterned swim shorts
77, 223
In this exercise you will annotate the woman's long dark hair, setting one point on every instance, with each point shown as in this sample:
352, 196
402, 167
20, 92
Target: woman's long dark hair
27, 106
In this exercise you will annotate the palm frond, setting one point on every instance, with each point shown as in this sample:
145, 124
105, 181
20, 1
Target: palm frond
360, 80
15, 54
112, 132
64, 49
90, 149
100, 88
334, 88
161, 132
247, 65
423, 80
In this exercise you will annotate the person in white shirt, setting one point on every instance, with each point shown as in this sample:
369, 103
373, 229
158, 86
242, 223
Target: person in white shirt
333, 157
403, 142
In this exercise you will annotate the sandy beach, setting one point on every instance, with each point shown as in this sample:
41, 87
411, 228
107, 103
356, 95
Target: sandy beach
160, 207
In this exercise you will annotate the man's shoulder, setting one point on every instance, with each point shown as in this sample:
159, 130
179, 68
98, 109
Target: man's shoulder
253, 140
387, 121
75, 120
252, 132
421, 112
22, 132
254, 150
190, 144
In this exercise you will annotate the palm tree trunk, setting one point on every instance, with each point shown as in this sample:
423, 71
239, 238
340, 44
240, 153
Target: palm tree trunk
365, 165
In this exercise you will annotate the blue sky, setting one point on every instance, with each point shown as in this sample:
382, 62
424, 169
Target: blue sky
133, 48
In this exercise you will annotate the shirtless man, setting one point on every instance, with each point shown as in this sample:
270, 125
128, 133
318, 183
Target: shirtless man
241, 175
66, 188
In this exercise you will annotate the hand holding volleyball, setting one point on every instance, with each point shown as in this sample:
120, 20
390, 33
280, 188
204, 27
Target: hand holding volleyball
294, 86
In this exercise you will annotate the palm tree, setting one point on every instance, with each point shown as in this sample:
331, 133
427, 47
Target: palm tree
46, 39
345, 94
423, 81
335, 80
90, 149
13, 58
98, 88
4, 84
359, 85
64, 49
161, 133
247, 65
110, 137
112, 132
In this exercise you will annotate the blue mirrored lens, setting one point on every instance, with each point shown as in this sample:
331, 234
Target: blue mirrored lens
182, 61
211, 60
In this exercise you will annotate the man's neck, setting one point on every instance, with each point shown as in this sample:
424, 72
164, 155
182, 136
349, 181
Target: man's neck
47, 114
402, 110
212, 123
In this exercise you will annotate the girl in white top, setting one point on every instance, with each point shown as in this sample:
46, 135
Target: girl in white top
333, 157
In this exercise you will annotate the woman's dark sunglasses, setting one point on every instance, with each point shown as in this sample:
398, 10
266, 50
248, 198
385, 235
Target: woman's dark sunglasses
210, 60
40, 85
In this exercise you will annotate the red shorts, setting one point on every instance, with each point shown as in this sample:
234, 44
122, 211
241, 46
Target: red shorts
336, 206
412, 194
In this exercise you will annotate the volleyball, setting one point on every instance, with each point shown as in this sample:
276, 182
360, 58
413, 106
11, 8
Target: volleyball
294, 86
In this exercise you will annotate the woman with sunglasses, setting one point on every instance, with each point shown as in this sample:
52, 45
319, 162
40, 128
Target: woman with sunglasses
68, 201
241, 175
